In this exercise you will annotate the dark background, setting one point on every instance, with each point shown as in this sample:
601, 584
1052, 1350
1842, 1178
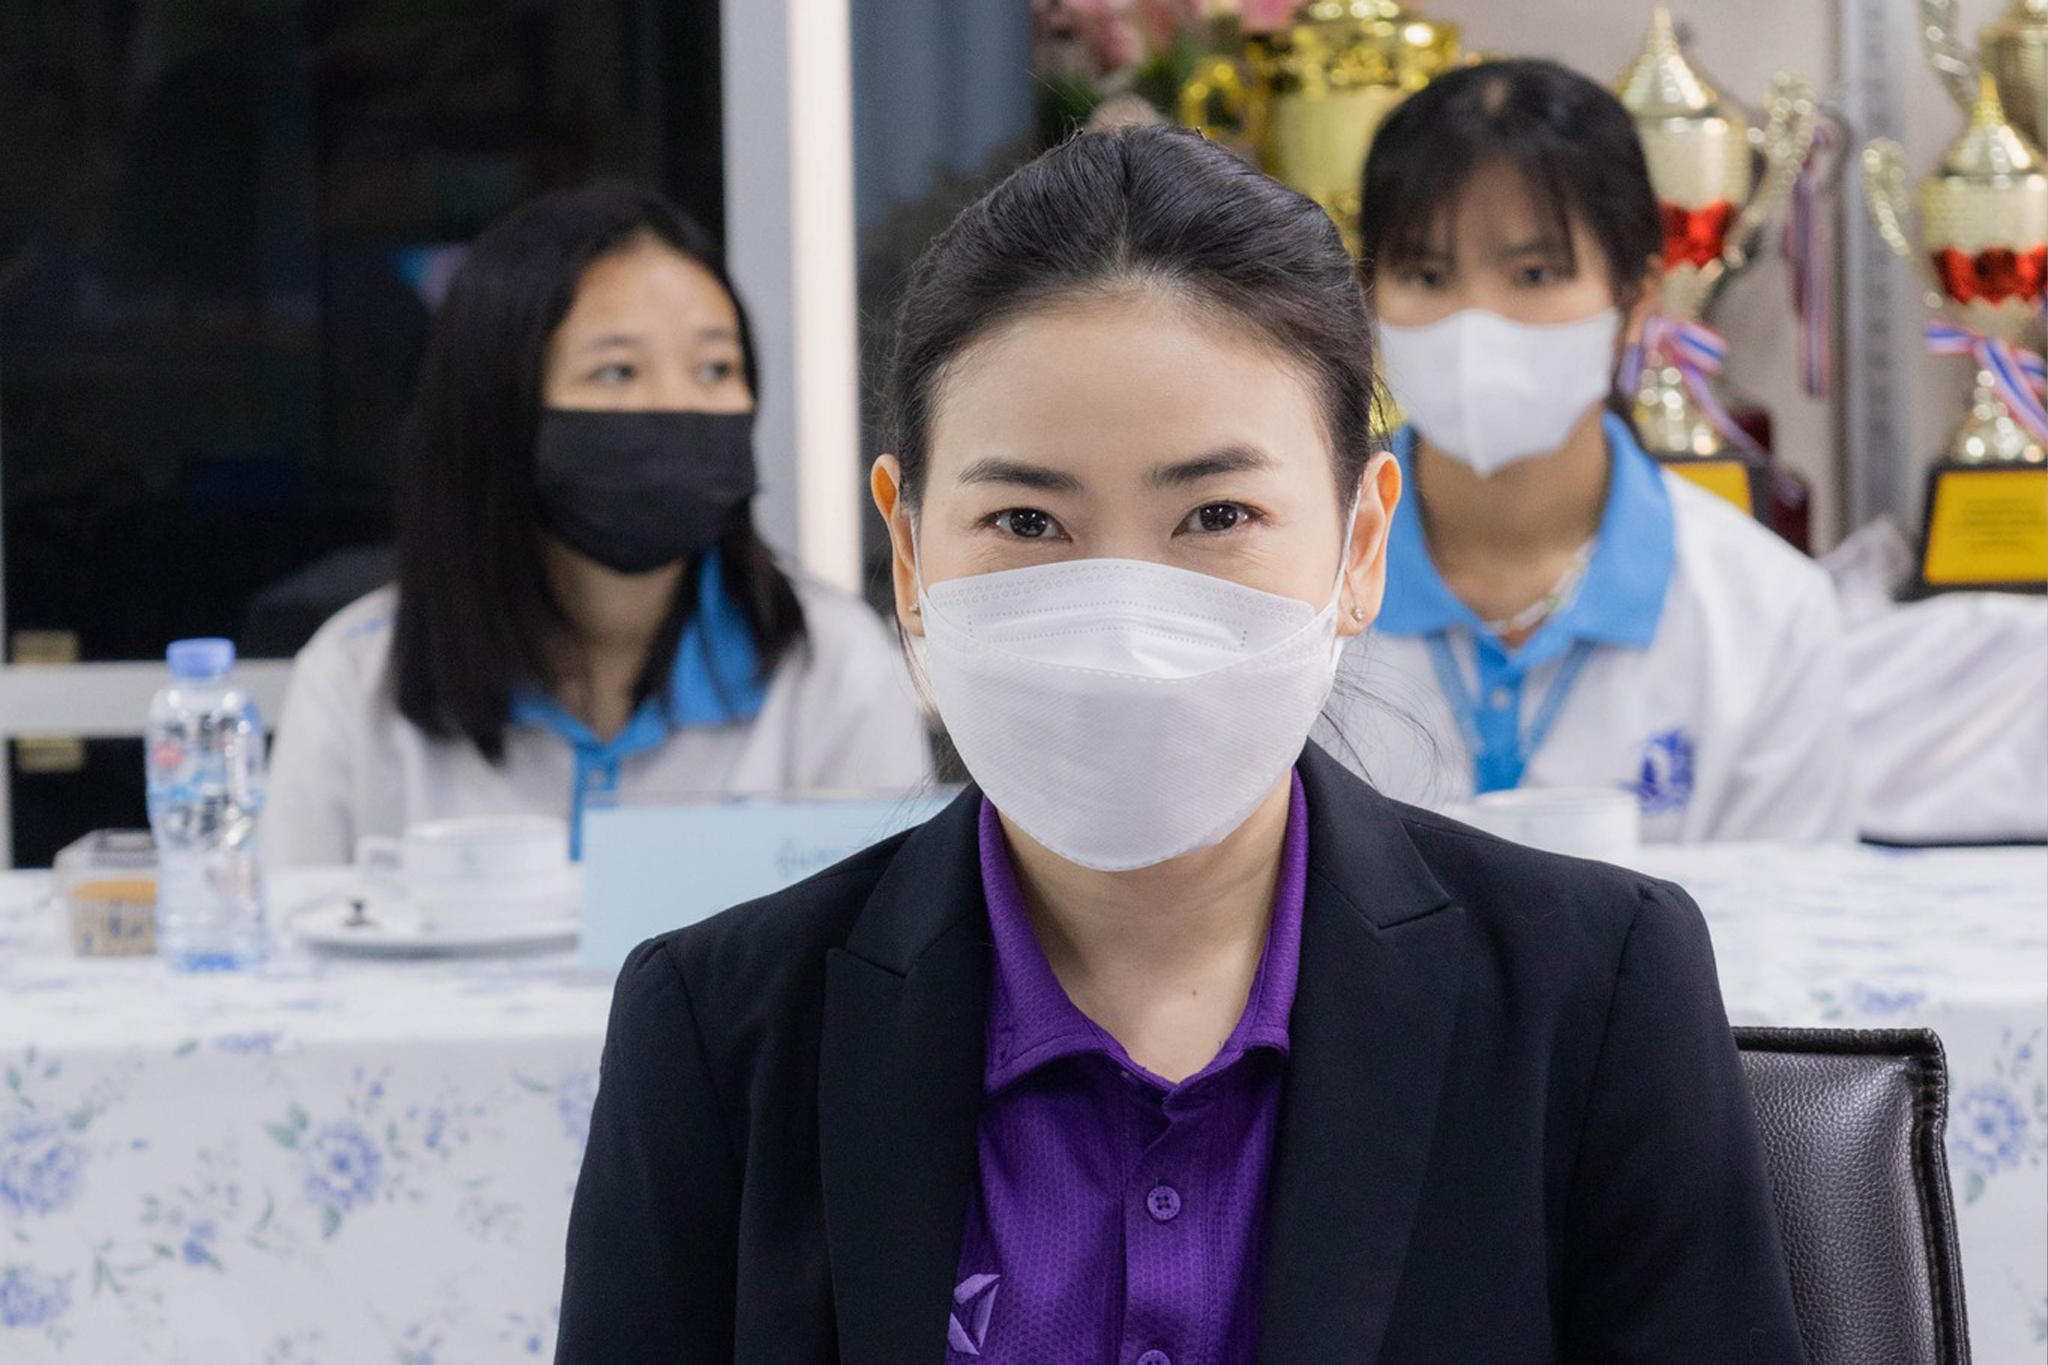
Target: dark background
221, 224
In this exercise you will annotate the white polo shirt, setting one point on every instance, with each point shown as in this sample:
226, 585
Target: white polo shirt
1701, 666
838, 714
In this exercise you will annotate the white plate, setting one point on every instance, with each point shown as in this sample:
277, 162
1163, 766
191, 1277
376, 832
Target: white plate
387, 930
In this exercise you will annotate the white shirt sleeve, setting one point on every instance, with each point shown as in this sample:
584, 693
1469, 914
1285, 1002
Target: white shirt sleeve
309, 816
1792, 780
860, 727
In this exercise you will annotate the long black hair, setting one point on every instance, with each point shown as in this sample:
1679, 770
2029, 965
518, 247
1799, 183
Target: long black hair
1569, 137
475, 612
1146, 205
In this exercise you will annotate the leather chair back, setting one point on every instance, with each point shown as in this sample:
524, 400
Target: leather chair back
1852, 1126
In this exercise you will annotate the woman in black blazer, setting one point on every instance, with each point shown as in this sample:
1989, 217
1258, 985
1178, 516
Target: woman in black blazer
1170, 1041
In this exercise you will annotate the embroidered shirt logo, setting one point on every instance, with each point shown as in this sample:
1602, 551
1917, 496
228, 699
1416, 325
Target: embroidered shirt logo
1664, 776
974, 1301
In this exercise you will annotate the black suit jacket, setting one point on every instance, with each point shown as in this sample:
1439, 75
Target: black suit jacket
1514, 1128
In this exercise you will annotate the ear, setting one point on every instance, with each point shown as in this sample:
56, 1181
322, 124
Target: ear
1649, 293
1365, 576
885, 482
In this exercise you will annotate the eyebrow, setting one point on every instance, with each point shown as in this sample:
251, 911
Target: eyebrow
1541, 246
605, 343
1227, 460
615, 339
1036, 477
1042, 479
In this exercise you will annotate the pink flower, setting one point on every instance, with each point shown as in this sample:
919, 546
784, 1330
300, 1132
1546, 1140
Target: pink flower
1262, 15
1101, 28
1163, 20
1116, 43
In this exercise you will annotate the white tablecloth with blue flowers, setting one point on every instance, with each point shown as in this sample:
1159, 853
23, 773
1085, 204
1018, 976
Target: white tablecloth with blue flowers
1952, 940
337, 1162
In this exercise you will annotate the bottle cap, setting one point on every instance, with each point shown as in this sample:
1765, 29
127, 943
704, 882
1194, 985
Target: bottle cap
205, 658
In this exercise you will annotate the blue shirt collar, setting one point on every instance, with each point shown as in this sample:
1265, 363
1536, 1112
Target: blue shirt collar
1622, 597
715, 679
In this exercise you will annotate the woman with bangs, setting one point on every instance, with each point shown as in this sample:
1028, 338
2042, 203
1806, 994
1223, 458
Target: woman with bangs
1560, 611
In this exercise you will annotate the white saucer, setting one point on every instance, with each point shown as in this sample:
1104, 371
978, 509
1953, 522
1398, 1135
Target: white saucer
388, 930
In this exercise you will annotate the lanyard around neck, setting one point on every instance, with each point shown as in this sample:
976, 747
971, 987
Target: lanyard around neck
1494, 770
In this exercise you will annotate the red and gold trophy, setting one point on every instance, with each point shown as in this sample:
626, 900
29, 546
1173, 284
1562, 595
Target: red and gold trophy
1703, 152
1305, 99
1983, 235
2012, 49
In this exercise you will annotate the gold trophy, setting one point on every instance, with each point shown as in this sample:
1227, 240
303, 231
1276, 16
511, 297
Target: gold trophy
1306, 99
1983, 233
1702, 150
2012, 49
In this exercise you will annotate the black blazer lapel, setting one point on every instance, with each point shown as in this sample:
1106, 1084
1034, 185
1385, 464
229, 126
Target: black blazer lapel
900, 1081
1373, 1014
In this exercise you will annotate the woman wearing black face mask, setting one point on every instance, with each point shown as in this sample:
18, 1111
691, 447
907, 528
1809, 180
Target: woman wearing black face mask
582, 603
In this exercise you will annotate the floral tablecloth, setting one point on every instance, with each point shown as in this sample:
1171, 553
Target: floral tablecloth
329, 1162
1952, 940
335, 1162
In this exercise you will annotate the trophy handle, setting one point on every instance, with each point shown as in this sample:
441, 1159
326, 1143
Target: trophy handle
1951, 58
1884, 192
1217, 84
1787, 140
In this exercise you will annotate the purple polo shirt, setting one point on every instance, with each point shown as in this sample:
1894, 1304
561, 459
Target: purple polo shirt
1119, 1218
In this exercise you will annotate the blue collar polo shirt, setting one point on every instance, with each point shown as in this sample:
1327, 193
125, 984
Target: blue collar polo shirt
1698, 665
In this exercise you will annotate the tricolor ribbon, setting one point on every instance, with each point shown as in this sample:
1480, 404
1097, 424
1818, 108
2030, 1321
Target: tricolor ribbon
1811, 263
2018, 375
1698, 352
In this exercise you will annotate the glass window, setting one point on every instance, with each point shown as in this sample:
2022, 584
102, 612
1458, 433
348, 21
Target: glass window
223, 228
944, 104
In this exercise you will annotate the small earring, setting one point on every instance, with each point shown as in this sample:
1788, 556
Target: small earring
1356, 614
916, 610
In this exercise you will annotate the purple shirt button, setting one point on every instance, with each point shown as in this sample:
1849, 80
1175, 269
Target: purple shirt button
1154, 1358
1164, 1206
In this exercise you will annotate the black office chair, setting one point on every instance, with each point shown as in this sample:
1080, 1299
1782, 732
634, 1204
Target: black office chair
1852, 1128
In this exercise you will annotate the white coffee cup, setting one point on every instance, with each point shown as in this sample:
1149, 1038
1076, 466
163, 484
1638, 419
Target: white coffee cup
1585, 822
476, 871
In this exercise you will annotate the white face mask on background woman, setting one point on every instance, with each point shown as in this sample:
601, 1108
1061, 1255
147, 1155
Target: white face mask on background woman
1490, 391
1123, 712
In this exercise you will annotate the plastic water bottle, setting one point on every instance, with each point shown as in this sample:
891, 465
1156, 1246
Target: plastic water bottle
204, 755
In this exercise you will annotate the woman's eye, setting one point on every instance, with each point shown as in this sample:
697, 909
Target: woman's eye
1215, 517
1026, 523
618, 372
716, 372
1426, 277
1535, 276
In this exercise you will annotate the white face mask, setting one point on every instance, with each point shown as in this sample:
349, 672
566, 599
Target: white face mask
1491, 391
1123, 712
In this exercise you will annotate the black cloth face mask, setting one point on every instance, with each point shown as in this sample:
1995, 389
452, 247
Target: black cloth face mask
637, 490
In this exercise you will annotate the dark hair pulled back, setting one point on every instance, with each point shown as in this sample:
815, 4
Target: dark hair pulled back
1569, 137
1147, 206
